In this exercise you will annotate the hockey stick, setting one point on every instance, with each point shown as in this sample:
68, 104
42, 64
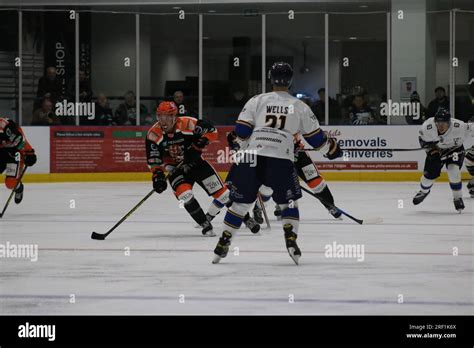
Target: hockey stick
102, 236
13, 192
262, 205
359, 221
377, 149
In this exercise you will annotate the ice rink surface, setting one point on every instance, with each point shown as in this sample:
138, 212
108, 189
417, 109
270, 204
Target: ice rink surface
169, 271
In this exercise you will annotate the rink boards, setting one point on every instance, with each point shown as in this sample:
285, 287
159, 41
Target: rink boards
70, 153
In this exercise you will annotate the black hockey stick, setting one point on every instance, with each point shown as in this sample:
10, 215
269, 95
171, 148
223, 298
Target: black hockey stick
262, 205
102, 236
359, 221
13, 192
376, 149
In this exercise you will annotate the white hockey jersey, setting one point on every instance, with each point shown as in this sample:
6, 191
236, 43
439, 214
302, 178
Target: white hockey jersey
454, 137
276, 117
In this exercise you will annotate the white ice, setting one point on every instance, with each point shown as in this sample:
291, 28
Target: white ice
409, 254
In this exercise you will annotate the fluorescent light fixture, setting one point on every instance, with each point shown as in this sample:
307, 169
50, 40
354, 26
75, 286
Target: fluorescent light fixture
353, 38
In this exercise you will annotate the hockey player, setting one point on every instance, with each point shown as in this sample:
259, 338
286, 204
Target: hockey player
266, 126
15, 153
174, 145
443, 138
308, 172
470, 169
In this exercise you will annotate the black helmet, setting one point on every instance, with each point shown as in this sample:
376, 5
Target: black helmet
281, 74
442, 115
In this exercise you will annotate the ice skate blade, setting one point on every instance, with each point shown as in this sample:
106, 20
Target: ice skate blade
209, 234
294, 257
216, 259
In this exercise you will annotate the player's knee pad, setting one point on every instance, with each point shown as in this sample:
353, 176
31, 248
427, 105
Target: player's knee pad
11, 182
266, 192
317, 185
184, 193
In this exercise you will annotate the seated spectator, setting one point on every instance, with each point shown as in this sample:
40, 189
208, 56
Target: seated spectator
126, 113
44, 116
49, 86
441, 101
85, 90
319, 109
360, 113
103, 112
415, 99
183, 109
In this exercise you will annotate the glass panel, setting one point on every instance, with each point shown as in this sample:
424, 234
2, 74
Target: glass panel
437, 62
8, 68
169, 61
232, 59
300, 42
107, 68
357, 68
48, 66
464, 52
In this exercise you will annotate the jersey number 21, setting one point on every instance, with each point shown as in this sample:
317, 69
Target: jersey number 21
272, 120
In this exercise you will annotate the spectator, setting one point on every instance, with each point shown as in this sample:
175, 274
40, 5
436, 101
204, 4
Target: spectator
441, 101
411, 119
183, 109
85, 90
360, 113
44, 116
49, 86
126, 113
103, 112
319, 109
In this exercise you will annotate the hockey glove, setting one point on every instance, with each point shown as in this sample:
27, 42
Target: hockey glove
430, 147
232, 141
159, 181
334, 149
30, 158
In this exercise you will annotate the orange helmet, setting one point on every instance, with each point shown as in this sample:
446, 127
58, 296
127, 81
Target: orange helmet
166, 115
167, 108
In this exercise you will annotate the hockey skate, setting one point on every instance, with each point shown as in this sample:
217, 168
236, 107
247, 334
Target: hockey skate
207, 230
257, 214
419, 197
470, 187
19, 194
291, 246
458, 204
251, 224
222, 247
